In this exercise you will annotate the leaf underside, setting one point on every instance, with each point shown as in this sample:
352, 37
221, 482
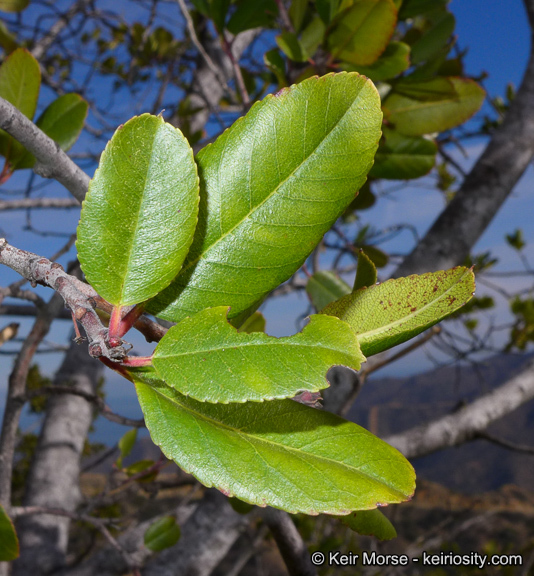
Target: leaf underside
280, 453
324, 287
417, 116
271, 186
390, 313
208, 359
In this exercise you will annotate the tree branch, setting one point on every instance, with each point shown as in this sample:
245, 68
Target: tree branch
51, 162
15, 395
42, 271
470, 421
24, 203
104, 409
289, 542
198, 45
98, 523
490, 181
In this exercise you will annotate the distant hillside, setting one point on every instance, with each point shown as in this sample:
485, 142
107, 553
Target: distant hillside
390, 405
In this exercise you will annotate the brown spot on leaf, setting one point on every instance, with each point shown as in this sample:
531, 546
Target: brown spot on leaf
282, 91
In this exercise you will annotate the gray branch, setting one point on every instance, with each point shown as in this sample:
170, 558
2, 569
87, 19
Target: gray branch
292, 548
43, 271
24, 203
486, 187
470, 421
51, 162
53, 481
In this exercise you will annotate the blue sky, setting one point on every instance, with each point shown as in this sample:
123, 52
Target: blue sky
496, 34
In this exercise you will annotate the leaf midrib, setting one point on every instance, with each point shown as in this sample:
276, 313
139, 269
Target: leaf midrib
364, 335
260, 440
269, 196
128, 268
235, 345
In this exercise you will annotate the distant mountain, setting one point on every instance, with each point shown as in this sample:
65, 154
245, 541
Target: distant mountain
390, 405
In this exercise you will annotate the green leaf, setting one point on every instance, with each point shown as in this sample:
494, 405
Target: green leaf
411, 8
370, 523
126, 444
378, 257
142, 466
297, 11
254, 323
239, 506
217, 12
13, 5
257, 14
363, 31
365, 272
327, 9
20, 81
292, 47
278, 453
62, 121
415, 117
271, 186
325, 287
388, 314
434, 90
516, 240
401, 157
143, 199
163, 533
434, 38
7, 40
202, 6
206, 358
276, 64
394, 60
9, 543
312, 36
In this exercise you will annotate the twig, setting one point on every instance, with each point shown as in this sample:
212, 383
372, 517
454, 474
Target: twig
98, 523
42, 46
505, 443
379, 361
289, 542
247, 552
413, 346
105, 410
51, 162
194, 38
227, 47
467, 423
284, 16
104, 456
32, 311
42, 271
24, 203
